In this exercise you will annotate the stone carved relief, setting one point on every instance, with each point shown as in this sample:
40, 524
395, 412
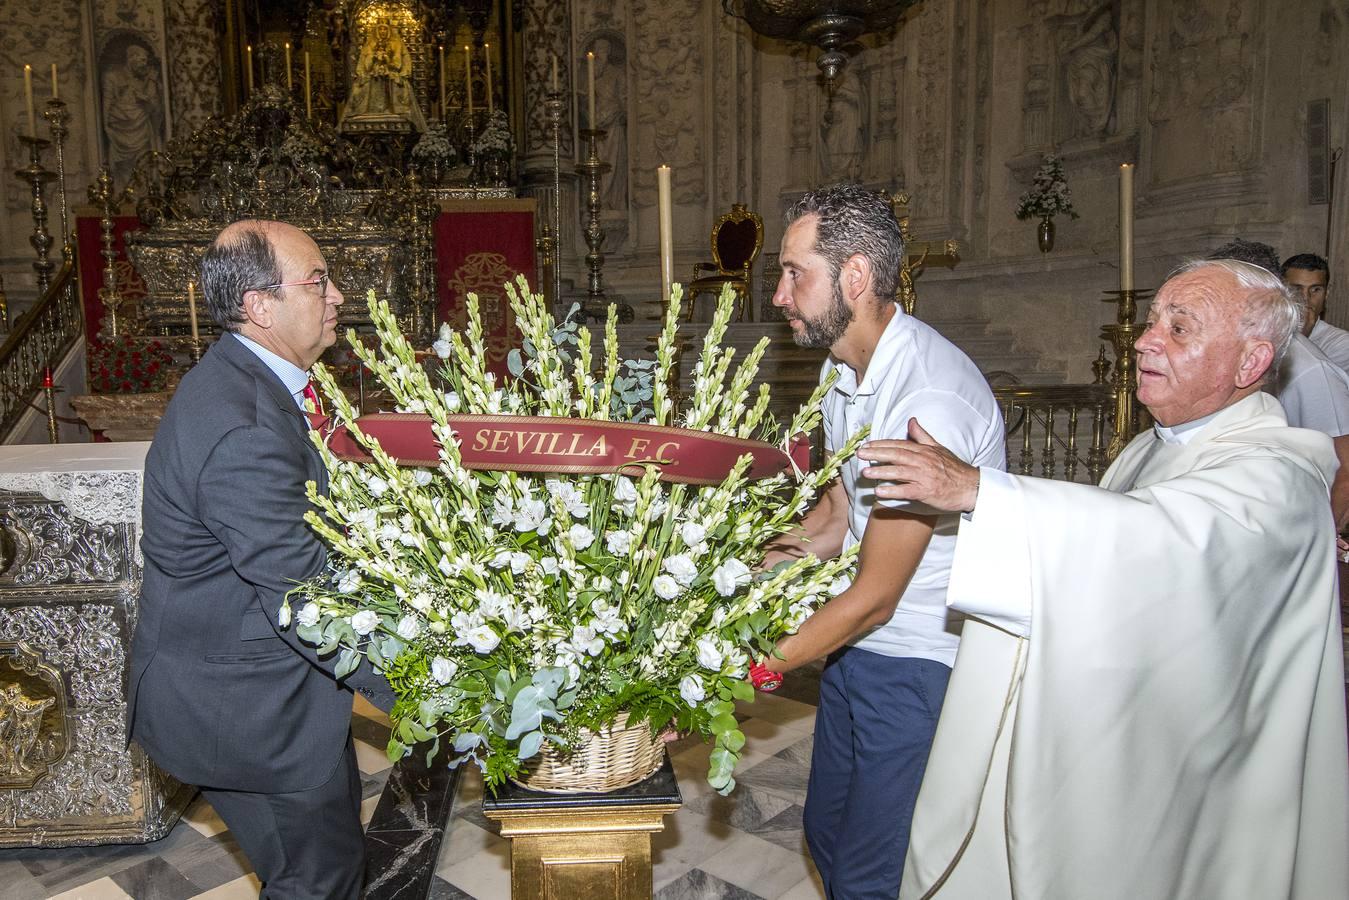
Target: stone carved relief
844, 132
666, 67
1086, 37
547, 35
62, 549
1200, 102
929, 147
131, 101
194, 63
611, 113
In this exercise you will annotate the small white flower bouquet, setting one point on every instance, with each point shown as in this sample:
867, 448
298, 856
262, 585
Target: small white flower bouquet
1049, 194
510, 608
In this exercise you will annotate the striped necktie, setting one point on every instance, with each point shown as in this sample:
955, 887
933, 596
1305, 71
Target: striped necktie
312, 396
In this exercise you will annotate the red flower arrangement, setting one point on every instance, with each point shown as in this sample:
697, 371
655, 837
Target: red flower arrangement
128, 364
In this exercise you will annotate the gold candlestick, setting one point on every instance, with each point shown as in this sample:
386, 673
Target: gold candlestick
56, 116
1121, 335
595, 305
553, 108
101, 195
37, 177
49, 393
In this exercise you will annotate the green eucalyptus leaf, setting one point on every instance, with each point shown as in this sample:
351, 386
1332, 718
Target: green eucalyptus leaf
529, 745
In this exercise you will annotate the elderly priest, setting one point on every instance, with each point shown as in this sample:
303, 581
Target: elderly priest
1148, 698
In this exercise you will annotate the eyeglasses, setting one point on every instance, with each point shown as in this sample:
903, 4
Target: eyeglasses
321, 283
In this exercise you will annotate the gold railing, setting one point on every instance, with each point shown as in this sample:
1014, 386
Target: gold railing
1058, 431
41, 337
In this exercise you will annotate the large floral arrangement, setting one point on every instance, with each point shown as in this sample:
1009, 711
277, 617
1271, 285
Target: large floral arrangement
1049, 194
509, 609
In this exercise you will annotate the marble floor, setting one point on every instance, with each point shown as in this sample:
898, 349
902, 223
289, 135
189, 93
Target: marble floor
742, 847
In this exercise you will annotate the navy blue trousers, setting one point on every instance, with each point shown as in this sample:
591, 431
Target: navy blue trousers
873, 731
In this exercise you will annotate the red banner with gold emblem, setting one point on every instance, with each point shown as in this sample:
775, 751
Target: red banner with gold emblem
481, 245
567, 446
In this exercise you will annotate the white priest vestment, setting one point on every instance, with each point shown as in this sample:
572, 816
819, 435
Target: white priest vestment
1148, 698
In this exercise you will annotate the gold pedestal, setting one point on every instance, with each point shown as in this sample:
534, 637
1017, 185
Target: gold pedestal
596, 846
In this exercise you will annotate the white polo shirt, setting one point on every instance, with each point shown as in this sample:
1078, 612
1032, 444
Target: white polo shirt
1332, 341
914, 373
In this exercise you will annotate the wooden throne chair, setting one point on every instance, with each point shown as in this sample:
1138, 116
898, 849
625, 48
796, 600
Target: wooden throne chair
737, 238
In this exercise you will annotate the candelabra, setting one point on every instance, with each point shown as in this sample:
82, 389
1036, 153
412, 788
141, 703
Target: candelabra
1121, 335
41, 239
552, 105
590, 170
101, 195
49, 393
56, 116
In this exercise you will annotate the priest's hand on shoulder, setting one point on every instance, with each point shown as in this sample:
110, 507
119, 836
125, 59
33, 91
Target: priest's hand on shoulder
921, 469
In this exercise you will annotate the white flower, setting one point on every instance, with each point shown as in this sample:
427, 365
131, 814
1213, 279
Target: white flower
409, 628
364, 622
515, 618
482, 639
420, 601
580, 536
692, 533
682, 568
407, 539
601, 583
363, 518
441, 349
736, 662
618, 542
491, 603
625, 495
451, 400
308, 614
839, 585
501, 560
421, 477
666, 587
691, 689
532, 515
584, 639
389, 532
377, 485
349, 582
729, 576
447, 567
283, 616
709, 653
549, 565
442, 669
571, 498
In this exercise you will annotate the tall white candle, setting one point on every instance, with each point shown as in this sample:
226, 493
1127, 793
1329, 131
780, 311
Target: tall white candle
1126, 227
665, 206
248, 65
555, 80
56, 90
308, 102
192, 307
590, 89
468, 81
290, 84
441, 50
491, 101
28, 99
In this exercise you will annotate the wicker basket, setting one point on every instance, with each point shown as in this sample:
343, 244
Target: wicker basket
614, 758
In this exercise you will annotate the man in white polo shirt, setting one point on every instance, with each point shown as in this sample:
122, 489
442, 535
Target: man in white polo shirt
1309, 275
889, 636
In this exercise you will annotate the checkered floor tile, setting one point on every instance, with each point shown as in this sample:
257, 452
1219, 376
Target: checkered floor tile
743, 847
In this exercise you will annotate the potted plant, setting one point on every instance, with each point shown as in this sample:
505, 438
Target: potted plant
526, 618
1048, 197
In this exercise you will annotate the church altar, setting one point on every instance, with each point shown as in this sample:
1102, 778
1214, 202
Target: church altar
69, 581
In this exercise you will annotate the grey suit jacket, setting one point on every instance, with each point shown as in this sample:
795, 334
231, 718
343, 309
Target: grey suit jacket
219, 696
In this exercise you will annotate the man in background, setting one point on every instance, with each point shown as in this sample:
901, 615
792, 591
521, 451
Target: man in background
1309, 275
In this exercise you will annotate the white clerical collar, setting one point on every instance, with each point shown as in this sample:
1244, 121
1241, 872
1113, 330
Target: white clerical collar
1184, 432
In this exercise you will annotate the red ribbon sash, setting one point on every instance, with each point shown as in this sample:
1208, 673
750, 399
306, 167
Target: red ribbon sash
571, 446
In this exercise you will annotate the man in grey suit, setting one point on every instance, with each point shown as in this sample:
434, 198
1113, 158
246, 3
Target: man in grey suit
222, 693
